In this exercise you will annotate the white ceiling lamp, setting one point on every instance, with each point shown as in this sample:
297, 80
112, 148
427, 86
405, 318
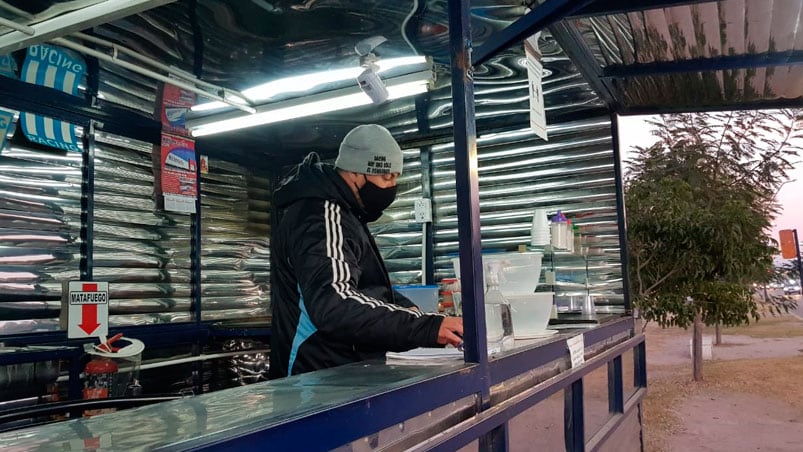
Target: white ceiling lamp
309, 82
326, 102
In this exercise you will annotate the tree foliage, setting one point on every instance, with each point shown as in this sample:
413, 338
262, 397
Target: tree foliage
700, 203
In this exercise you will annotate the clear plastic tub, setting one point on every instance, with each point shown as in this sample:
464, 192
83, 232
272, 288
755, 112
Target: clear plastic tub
520, 271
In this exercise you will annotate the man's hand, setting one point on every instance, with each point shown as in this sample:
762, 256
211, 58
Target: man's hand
451, 331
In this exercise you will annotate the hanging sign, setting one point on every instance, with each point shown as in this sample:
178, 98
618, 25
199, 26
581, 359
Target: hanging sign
63, 70
788, 245
88, 309
535, 73
174, 105
179, 181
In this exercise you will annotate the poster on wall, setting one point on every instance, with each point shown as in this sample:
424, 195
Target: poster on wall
179, 181
60, 69
535, 74
173, 108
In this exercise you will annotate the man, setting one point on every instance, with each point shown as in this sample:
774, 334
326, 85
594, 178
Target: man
331, 298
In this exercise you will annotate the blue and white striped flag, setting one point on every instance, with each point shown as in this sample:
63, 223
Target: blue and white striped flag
63, 70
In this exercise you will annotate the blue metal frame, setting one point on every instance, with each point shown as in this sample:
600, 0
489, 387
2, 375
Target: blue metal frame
574, 417
509, 366
336, 427
720, 63
484, 422
621, 211
422, 121
467, 185
87, 204
606, 7
527, 25
578, 52
616, 398
22, 96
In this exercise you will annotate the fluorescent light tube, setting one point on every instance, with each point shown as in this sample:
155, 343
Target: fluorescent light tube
340, 99
307, 82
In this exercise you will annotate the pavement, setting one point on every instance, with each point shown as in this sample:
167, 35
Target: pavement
799, 312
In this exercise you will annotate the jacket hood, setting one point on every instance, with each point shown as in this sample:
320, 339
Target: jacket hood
317, 180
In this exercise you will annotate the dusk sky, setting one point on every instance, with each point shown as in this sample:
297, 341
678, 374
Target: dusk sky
634, 131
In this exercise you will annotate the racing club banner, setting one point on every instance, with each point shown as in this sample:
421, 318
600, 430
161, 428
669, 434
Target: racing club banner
60, 69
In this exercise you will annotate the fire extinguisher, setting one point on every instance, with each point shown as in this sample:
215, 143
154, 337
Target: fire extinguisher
100, 374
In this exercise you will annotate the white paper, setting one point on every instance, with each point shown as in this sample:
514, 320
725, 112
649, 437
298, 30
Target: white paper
576, 350
424, 353
535, 73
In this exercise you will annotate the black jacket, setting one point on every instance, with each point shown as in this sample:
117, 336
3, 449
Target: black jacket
331, 298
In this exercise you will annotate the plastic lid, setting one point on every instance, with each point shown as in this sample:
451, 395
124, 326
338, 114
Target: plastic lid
559, 218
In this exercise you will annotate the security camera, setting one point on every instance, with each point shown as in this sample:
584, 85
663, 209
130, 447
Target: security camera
372, 85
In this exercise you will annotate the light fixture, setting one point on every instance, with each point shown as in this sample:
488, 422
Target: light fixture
308, 82
325, 102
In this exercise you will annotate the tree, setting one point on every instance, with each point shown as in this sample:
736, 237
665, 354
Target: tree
699, 206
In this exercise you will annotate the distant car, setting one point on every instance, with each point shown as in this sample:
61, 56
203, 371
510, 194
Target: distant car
791, 289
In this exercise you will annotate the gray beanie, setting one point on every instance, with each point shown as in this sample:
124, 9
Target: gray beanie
369, 149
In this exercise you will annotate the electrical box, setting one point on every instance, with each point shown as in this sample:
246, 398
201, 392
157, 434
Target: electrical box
423, 210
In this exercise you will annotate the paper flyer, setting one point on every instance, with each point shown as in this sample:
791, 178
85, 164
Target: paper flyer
179, 181
535, 73
176, 102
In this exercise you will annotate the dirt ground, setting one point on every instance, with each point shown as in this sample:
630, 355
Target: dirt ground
751, 398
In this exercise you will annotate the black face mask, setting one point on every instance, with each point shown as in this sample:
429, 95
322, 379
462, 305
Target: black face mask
376, 199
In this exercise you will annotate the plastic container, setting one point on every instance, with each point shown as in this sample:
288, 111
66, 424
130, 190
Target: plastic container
425, 297
498, 322
558, 230
539, 231
530, 313
519, 274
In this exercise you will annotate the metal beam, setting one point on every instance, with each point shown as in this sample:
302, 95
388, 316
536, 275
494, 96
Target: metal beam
534, 21
767, 104
77, 20
621, 212
44, 101
467, 186
575, 47
722, 63
605, 7
463, 433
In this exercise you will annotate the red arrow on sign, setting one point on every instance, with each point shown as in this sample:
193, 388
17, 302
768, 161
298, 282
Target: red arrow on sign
89, 312
89, 318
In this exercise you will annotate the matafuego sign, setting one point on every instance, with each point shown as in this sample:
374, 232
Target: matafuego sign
88, 314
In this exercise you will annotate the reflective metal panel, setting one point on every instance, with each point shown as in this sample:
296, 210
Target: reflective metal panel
235, 231
40, 225
141, 250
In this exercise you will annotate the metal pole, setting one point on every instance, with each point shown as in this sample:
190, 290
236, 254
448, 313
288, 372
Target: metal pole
621, 213
428, 256
467, 186
799, 264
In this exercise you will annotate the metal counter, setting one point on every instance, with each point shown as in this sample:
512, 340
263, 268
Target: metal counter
317, 410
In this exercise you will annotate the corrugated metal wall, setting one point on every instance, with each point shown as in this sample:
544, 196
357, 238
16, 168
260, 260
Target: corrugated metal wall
398, 236
235, 228
142, 251
40, 227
